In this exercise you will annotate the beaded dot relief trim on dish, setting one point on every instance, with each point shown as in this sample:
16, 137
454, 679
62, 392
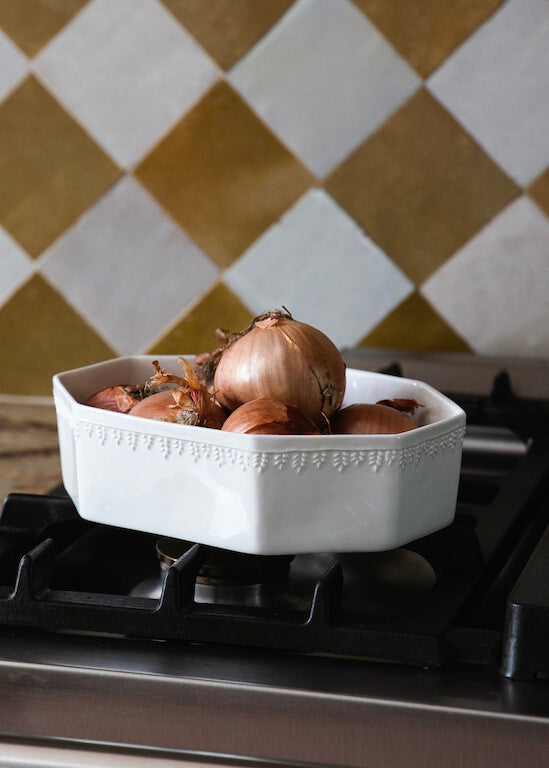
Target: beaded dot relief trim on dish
297, 461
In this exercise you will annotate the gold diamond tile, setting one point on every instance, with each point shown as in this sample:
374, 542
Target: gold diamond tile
420, 186
223, 175
227, 30
50, 169
539, 191
218, 308
414, 324
31, 23
41, 335
425, 32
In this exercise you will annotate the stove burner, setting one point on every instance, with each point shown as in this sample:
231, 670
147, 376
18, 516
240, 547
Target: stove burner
386, 584
226, 577
375, 583
226, 568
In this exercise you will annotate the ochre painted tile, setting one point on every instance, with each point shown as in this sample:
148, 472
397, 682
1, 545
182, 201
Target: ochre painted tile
414, 324
420, 186
425, 32
41, 335
50, 169
218, 308
227, 30
31, 23
539, 191
494, 290
495, 84
222, 175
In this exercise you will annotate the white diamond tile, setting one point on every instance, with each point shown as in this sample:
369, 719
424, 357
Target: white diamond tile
128, 71
13, 65
495, 290
127, 267
15, 265
323, 79
318, 263
497, 85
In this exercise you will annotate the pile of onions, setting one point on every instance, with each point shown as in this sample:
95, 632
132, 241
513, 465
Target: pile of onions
265, 416
190, 403
277, 377
371, 419
279, 358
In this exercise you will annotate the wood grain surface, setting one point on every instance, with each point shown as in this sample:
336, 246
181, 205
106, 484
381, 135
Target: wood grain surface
29, 450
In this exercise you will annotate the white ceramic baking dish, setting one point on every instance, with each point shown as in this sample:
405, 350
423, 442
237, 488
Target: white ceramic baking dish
261, 494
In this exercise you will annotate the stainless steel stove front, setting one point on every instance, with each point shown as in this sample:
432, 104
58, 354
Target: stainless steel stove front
199, 700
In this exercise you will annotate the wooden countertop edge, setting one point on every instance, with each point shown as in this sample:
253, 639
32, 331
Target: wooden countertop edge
29, 450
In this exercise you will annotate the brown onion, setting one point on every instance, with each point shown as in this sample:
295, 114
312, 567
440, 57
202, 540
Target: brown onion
404, 404
265, 416
370, 419
120, 398
190, 403
285, 360
163, 407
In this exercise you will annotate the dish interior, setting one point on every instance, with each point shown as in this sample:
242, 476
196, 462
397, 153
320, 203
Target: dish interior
362, 386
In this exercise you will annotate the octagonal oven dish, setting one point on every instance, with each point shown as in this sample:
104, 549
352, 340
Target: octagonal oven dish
260, 494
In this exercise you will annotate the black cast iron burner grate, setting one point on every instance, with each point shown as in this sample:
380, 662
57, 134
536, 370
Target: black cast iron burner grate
60, 573
415, 639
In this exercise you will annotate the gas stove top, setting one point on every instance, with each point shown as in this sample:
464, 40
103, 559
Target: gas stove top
454, 618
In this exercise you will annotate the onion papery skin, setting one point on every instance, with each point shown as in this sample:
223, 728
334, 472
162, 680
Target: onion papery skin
370, 419
177, 407
265, 416
210, 413
120, 398
284, 360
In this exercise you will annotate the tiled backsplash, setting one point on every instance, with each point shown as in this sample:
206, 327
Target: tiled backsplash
380, 167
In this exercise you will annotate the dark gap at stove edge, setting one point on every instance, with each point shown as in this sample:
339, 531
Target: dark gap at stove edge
500, 521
